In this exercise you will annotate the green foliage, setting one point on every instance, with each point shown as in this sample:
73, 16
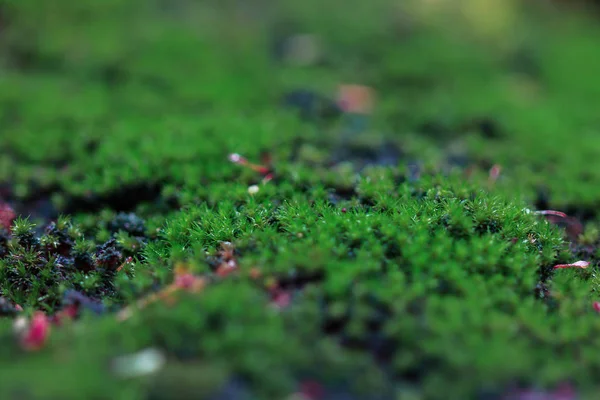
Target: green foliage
403, 276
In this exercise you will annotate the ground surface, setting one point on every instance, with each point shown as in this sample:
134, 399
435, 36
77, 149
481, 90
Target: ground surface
366, 257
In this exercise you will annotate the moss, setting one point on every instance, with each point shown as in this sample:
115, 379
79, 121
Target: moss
38, 269
361, 256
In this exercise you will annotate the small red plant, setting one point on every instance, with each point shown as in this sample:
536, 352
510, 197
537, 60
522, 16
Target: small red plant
596, 306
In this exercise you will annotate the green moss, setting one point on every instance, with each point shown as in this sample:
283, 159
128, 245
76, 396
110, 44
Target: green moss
406, 268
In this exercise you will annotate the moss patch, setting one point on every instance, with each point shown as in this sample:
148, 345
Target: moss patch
370, 256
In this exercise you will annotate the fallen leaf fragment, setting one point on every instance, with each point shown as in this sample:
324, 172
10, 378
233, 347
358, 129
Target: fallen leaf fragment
7, 215
255, 273
356, 99
35, 335
552, 213
281, 298
596, 306
578, 264
494, 174
226, 268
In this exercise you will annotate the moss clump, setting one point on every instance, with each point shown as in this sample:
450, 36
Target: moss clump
369, 256
37, 269
434, 287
